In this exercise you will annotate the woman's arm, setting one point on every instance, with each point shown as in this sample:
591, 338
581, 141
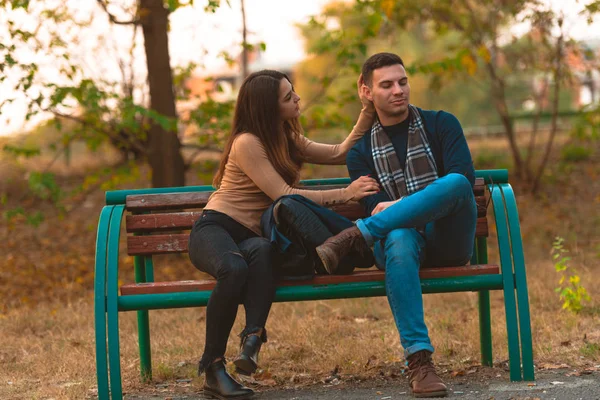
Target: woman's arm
251, 157
320, 153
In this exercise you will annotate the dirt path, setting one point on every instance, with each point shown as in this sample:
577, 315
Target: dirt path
559, 385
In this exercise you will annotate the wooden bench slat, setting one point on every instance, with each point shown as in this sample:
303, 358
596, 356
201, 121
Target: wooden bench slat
171, 201
161, 222
178, 242
185, 220
357, 276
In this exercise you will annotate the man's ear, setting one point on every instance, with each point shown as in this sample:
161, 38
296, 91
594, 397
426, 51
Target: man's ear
368, 92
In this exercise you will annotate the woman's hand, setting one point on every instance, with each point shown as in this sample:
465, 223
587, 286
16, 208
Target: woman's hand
367, 105
363, 187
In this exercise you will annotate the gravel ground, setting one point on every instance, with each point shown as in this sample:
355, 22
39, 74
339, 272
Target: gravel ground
557, 385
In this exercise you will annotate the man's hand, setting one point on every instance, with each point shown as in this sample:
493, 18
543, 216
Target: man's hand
382, 206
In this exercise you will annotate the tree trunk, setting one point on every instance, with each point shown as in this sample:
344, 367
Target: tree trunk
164, 148
245, 71
499, 99
553, 127
539, 97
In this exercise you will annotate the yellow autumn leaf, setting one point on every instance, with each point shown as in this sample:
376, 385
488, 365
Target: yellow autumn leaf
388, 6
468, 61
484, 53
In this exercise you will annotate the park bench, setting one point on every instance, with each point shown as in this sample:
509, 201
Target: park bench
157, 217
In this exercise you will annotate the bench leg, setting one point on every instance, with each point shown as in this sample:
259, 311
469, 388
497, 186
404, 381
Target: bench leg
485, 328
520, 283
485, 317
144, 344
100, 302
510, 306
143, 320
112, 307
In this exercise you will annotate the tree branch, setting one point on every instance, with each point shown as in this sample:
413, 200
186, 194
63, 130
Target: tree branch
559, 56
113, 19
199, 151
323, 89
111, 135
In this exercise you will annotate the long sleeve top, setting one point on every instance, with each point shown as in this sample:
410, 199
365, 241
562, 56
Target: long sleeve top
250, 182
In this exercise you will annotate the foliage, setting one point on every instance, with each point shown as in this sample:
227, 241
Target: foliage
572, 293
26, 152
575, 153
584, 136
587, 126
461, 55
106, 110
42, 58
31, 218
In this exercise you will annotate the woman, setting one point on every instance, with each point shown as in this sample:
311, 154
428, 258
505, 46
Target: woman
261, 162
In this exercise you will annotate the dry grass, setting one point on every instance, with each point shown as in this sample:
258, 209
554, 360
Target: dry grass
46, 312
48, 351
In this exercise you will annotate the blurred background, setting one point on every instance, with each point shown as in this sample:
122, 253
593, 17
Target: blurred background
99, 95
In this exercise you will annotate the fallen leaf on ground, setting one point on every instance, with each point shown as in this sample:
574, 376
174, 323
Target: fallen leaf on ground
553, 366
267, 382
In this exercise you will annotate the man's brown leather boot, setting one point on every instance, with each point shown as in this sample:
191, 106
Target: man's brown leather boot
336, 247
424, 381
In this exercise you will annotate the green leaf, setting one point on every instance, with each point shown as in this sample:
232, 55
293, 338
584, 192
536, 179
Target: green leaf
44, 186
21, 151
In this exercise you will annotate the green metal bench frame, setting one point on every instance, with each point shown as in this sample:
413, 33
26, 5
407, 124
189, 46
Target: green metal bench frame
512, 281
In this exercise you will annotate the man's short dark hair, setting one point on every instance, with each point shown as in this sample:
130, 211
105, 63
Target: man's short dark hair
377, 61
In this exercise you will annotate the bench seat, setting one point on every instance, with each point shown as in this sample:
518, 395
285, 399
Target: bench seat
370, 275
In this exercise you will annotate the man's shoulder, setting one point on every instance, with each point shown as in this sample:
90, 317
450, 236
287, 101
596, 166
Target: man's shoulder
363, 145
437, 116
438, 121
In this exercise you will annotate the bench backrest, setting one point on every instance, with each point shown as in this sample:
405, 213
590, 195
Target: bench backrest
156, 221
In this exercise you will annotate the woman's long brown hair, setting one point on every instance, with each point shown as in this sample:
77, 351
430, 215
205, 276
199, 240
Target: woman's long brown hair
257, 112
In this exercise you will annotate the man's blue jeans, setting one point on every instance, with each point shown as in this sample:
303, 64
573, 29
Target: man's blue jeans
447, 210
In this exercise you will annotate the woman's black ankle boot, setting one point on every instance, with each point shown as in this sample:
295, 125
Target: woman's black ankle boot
219, 384
247, 361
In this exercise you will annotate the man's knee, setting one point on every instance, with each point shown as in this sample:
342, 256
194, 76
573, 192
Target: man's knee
403, 244
459, 183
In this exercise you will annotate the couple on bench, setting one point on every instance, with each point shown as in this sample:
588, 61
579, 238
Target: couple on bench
412, 171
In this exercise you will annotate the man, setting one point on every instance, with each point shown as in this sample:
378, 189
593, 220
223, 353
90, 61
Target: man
426, 214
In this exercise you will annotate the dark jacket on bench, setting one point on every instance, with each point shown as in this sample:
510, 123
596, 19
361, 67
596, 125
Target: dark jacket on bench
296, 260
447, 142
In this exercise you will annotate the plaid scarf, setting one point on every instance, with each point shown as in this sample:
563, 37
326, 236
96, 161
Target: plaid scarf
420, 169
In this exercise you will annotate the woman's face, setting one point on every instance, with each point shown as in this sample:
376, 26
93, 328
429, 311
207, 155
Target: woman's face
289, 107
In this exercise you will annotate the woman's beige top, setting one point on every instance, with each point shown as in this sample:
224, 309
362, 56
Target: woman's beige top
250, 182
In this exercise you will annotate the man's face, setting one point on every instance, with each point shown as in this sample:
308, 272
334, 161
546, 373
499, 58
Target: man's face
390, 92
